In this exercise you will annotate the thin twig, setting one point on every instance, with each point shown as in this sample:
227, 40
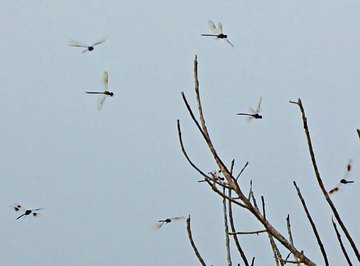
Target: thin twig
358, 131
252, 261
185, 153
249, 232
232, 225
313, 226
263, 206
242, 170
192, 242
341, 243
320, 183
288, 225
226, 227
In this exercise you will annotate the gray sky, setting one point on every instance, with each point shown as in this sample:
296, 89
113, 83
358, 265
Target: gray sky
104, 178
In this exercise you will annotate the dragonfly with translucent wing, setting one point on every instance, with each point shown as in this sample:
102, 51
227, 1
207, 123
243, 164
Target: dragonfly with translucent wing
103, 94
17, 207
344, 180
218, 32
254, 114
160, 223
89, 48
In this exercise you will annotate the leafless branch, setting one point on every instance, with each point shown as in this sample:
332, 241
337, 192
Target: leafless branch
288, 225
232, 225
249, 232
313, 226
192, 242
242, 170
341, 243
320, 183
185, 153
231, 180
227, 239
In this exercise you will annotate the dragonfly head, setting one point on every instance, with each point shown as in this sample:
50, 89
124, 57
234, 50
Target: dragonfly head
222, 36
90, 48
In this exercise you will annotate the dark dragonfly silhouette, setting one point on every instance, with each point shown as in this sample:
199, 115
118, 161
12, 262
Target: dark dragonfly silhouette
89, 48
17, 207
160, 223
254, 114
103, 94
344, 180
218, 32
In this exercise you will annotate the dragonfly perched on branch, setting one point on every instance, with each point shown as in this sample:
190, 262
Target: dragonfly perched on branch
344, 180
89, 48
103, 94
160, 223
17, 207
218, 32
254, 114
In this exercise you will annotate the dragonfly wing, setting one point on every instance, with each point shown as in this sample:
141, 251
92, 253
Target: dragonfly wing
220, 27
101, 101
258, 107
229, 42
252, 111
106, 80
348, 169
99, 42
36, 214
75, 43
178, 218
17, 207
212, 27
84, 51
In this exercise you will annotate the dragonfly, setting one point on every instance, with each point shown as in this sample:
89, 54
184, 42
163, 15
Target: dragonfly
17, 207
103, 94
160, 223
89, 48
344, 180
254, 114
218, 32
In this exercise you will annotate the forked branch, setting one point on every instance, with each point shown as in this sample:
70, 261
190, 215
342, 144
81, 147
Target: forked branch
320, 183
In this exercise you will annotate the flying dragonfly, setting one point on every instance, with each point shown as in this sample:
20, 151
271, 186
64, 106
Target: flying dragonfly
254, 113
160, 223
89, 48
103, 94
218, 32
17, 207
344, 180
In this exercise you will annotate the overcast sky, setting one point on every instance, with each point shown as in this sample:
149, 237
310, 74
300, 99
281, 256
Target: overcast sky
105, 177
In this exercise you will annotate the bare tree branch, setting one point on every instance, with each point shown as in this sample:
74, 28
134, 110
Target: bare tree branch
320, 183
231, 180
232, 225
185, 154
227, 239
313, 226
341, 243
192, 242
249, 232
242, 170
288, 225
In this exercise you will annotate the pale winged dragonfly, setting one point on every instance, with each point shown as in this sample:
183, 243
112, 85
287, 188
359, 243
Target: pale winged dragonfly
17, 207
103, 94
254, 113
160, 223
218, 32
344, 180
89, 48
